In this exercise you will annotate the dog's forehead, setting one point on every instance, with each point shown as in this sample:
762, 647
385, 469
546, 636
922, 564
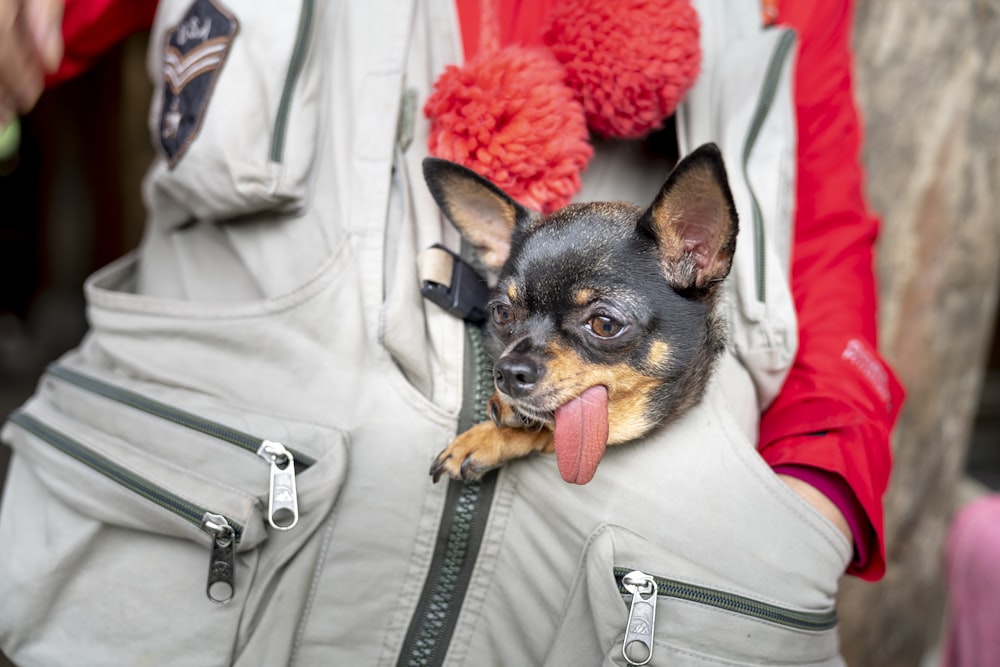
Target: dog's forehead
581, 252
609, 218
586, 231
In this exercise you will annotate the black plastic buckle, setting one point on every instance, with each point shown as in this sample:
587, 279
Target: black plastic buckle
467, 295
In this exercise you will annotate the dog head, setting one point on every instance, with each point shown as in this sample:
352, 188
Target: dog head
603, 322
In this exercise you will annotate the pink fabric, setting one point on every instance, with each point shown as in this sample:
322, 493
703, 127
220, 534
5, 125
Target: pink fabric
973, 578
839, 492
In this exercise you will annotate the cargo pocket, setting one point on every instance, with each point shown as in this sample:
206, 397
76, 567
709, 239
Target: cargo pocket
628, 605
171, 507
238, 108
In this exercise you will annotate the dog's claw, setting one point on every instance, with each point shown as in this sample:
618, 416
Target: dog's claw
468, 474
473, 452
438, 467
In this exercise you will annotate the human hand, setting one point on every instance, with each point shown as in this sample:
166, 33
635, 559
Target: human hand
818, 499
30, 45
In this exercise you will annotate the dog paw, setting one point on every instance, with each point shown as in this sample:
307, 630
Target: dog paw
469, 456
484, 447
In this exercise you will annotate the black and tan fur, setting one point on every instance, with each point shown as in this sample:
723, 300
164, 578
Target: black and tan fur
601, 293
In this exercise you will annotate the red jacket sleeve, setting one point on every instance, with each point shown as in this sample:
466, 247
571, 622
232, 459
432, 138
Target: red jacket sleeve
840, 401
91, 27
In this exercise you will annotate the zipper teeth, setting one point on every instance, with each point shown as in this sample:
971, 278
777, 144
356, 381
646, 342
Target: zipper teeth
182, 508
428, 644
764, 102
291, 78
484, 377
426, 647
166, 412
799, 620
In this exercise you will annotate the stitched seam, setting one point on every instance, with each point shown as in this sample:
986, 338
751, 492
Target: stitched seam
313, 587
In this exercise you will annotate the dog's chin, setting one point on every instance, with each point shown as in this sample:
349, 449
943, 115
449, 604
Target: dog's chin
529, 413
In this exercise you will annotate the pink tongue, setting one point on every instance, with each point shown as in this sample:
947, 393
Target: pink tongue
581, 435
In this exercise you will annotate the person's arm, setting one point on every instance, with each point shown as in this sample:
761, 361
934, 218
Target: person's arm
91, 27
829, 428
30, 46
43, 42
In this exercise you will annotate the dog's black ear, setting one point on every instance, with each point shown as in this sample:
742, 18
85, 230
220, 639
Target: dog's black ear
484, 214
693, 221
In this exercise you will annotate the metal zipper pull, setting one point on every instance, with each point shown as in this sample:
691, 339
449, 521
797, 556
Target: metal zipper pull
222, 567
282, 499
638, 645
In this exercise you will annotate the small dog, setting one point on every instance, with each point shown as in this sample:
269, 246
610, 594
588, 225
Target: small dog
603, 323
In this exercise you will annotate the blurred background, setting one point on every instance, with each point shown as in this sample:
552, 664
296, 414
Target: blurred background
69, 203
929, 86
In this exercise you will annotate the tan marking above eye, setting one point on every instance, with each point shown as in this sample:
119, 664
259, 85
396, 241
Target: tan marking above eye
512, 291
583, 296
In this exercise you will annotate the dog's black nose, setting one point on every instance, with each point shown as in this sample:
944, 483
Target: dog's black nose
516, 375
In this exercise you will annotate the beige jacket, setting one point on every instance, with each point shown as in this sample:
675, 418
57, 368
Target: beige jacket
275, 299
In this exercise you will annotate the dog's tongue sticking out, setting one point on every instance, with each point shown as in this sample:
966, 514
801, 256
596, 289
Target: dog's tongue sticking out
581, 435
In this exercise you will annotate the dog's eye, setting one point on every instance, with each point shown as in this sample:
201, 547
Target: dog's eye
503, 315
603, 326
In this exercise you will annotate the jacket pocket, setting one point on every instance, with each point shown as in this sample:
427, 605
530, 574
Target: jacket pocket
172, 515
238, 108
634, 604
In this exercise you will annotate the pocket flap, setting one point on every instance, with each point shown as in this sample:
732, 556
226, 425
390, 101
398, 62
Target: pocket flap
111, 480
694, 622
236, 110
163, 465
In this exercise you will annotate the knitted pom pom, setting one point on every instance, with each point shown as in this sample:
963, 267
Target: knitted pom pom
510, 117
631, 60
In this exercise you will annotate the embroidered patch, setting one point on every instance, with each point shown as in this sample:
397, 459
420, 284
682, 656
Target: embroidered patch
194, 52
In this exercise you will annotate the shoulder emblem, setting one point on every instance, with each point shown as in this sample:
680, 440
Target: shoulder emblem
194, 52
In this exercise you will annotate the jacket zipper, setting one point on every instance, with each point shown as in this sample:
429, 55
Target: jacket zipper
764, 102
225, 533
459, 534
467, 505
291, 78
645, 589
284, 462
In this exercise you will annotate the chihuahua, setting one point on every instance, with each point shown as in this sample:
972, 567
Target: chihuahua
603, 324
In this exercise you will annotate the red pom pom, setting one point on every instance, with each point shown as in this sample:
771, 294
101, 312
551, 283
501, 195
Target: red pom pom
510, 117
631, 60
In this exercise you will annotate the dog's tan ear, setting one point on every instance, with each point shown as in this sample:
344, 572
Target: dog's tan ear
694, 222
484, 214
